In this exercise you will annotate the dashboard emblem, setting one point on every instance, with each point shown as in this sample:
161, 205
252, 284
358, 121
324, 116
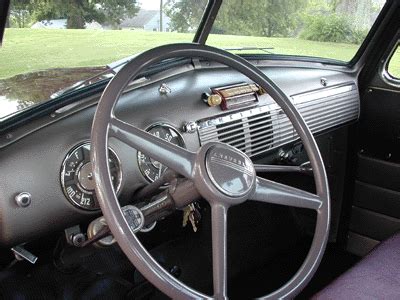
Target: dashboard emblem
230, 170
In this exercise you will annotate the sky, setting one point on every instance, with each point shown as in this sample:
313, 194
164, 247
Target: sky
150, 4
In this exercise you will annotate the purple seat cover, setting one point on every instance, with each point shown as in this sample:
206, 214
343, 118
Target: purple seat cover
377, 276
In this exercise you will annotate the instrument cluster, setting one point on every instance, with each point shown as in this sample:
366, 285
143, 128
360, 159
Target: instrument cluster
77, 179
76, 172
150, 168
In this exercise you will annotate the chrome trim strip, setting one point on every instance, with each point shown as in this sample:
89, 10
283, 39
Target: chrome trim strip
305, 97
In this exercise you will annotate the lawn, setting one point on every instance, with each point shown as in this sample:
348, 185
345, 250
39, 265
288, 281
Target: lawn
26, 50
48, 60
394, 65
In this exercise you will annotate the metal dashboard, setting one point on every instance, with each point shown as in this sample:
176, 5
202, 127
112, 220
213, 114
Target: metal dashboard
32, 162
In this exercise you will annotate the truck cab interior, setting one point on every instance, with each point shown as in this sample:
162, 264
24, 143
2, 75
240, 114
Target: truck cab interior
196, 172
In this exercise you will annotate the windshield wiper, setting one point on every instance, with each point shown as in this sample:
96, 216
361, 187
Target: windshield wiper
111, 70
264, 49
114, 67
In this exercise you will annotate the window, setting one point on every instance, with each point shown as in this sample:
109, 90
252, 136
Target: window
51, 46
393, 66
329, 29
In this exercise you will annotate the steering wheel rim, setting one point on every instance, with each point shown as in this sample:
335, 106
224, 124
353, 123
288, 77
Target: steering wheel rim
192, 166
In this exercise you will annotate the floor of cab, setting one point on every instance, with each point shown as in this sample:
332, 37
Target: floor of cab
271, 276
265, 249
106, 273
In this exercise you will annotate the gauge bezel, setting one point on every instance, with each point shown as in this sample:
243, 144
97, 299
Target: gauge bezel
62, 174
150, 127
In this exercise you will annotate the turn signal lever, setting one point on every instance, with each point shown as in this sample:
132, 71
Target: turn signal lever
178, 195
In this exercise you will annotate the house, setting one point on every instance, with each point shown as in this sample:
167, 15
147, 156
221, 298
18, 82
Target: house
50, 24
148, 20
62, 24
93, 25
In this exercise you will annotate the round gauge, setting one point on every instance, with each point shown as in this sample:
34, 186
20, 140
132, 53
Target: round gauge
77, 178
150, 168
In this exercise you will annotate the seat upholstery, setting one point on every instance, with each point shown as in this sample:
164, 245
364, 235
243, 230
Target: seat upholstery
377, 276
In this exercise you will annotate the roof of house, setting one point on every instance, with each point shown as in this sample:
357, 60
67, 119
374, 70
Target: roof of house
93, 25
62, 24
53, 24
141, 19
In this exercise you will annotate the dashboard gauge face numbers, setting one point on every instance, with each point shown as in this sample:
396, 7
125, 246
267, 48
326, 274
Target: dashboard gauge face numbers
150, 168
77, 179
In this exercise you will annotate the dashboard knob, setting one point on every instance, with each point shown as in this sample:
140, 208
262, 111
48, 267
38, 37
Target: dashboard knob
214, 100
23, 199
189, 127
78, 239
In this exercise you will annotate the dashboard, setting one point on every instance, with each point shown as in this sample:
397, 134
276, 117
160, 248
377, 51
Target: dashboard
48, 159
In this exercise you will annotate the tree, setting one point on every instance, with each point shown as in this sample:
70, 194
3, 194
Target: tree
78, 12
19, 13
245, 17
185, 15
115, 11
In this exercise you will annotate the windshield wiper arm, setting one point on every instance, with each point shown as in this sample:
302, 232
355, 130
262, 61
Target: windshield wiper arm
110, 69
116, 66
264, 49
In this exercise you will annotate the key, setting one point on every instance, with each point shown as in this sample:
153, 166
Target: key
191, 214
186, 213
193, 221
196, 212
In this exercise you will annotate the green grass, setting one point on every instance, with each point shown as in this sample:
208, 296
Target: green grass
26, 50
394, 64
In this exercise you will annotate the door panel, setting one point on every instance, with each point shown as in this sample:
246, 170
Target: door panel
375, 211
380, 123
377, 199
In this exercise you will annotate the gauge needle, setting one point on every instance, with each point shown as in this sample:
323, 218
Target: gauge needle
160, 171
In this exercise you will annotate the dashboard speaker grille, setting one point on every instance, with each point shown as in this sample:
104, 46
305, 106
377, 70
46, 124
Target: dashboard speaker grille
244, 130
259, 129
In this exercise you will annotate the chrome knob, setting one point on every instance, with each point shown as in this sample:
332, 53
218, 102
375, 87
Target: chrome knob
23, 199
214, 100
189, 127
78, 239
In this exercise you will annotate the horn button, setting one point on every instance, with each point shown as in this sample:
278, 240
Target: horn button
230, 170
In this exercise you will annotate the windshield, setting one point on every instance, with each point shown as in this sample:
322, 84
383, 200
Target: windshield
331, 29
51, 47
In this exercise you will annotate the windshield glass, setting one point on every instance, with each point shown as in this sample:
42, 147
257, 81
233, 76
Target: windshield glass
51, 46
332, 29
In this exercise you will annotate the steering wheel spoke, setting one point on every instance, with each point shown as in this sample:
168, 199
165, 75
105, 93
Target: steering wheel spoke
273, 192
219, 215
178, 159
217, 170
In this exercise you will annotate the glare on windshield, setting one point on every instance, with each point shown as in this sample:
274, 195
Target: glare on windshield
50, 45
49, 48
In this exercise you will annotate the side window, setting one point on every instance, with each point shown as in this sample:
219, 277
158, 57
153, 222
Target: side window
393, 66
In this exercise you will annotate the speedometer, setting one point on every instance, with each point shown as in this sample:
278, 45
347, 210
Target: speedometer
77, 178
150, 168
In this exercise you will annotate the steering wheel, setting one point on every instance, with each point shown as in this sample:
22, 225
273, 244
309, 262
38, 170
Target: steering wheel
223, 175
